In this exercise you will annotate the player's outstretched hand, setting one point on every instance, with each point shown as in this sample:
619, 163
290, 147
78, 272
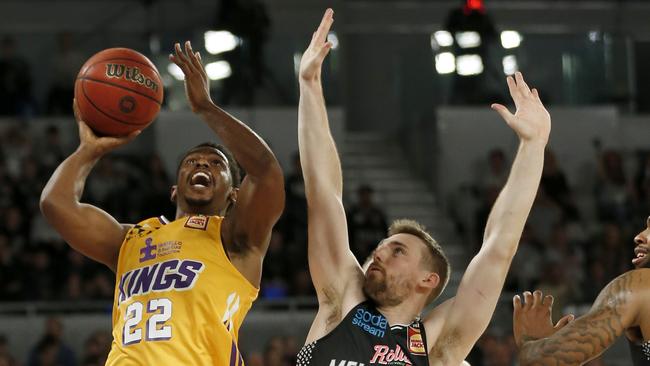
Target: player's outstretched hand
197, 83
531, 318
98, 146
531, 120
312, 59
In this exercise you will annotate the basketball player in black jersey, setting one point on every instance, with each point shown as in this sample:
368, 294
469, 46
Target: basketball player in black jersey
373, 317
621, 307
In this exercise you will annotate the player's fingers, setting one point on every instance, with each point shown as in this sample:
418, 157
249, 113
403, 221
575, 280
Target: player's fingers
536, 95
537, 298
528, 300
75, 109
512, 88
548, 301
196, 63
503, 112
564, 321
521, 84
325, 50
181, 65
180, 57
325, 25
516, 303
193, 63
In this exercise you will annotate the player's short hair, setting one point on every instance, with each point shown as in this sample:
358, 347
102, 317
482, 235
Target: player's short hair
434, 259
235, 170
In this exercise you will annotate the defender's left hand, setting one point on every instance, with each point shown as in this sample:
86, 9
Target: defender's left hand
531, 121
531, 320
197, 83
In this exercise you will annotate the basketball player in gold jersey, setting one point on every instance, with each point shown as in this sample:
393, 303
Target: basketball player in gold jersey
183, 287
372, 317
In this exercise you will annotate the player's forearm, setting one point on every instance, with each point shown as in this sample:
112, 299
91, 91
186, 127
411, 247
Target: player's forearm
319, 158
511, 209
251, 152
66, 184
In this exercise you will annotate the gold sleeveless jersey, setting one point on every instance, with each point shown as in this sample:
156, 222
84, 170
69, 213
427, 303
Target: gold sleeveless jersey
178, 298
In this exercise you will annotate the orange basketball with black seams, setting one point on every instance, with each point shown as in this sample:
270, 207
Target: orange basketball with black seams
118, 91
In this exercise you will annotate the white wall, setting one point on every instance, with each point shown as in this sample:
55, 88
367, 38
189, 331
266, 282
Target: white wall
466, 135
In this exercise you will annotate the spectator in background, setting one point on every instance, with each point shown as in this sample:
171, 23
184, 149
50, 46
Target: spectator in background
276, 271
50, 153
612, 189
555, 184
65, 63
96, 349
6, 359
156, 201
15, 81
642, 184
295, 211
50, 349
366, 224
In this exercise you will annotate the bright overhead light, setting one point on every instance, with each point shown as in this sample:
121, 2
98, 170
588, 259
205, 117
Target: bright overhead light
220, 41
510, 39
175, 71
468, 39
218, 70
441, 38
445, 63
332, 37
467, 65
510, 65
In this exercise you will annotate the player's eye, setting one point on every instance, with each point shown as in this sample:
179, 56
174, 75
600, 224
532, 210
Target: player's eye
190, 161
216, 162
398, 250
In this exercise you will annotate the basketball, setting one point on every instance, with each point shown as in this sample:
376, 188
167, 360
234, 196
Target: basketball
118, 91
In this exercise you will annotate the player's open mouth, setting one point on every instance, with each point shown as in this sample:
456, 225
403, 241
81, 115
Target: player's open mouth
200, 180
641, 254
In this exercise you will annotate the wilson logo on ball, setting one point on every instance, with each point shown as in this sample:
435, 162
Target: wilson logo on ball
132, 74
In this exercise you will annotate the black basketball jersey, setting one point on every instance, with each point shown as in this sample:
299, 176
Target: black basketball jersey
640, 353
365, 338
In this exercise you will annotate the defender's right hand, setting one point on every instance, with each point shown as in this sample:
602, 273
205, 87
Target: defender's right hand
312, 59
98, 146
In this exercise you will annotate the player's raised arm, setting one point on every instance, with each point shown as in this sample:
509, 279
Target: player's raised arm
331, 263
87, 228
585, 338
260, 200
483, 280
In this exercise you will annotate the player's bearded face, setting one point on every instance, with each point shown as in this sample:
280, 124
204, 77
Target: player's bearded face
388, 289
388, 278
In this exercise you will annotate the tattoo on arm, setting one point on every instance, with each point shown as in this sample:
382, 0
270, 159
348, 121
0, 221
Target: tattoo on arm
588, 336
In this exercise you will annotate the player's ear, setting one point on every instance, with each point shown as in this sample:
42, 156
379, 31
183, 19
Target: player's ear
232, 197
172, 196
431, 280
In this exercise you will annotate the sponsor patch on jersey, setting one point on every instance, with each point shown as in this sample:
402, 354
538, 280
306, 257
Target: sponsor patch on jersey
415, 341
197, 222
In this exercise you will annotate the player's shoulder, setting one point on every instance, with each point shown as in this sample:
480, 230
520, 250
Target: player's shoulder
145, 227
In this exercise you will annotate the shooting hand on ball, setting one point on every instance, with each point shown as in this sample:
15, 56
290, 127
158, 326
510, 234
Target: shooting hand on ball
95, 145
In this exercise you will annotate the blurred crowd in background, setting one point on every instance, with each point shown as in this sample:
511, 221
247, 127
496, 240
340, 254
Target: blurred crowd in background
564, 250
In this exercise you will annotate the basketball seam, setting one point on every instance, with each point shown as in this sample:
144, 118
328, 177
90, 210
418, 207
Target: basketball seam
121, 87
154, 69
83, 89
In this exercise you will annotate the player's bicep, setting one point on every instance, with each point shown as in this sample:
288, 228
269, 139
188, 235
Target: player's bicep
332, 265
89, 230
